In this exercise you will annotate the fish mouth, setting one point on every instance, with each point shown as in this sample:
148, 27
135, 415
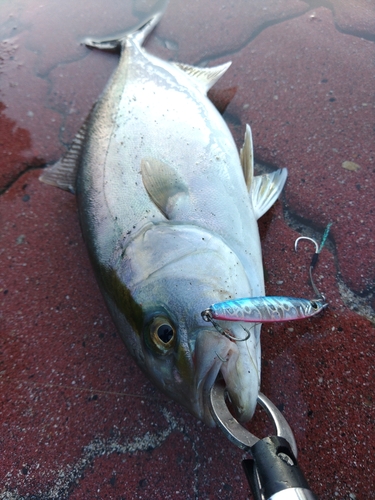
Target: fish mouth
237, 362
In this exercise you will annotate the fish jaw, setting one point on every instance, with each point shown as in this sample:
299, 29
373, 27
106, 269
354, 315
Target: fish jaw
187, 376
238, 363
160, 285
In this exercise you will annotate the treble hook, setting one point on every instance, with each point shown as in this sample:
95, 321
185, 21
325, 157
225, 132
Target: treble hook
315, 257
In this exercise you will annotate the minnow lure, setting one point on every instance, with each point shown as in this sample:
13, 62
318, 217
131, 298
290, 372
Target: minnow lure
264, 309
271, 309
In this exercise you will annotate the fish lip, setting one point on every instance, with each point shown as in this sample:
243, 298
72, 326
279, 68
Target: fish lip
242, 374
212, 346
206, 410
231, 362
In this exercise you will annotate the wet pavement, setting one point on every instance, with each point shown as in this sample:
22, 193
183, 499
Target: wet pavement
78, 418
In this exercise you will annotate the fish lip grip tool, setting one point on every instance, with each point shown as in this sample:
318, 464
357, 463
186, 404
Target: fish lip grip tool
273, 472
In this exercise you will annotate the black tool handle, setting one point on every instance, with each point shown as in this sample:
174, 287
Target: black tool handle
274, 473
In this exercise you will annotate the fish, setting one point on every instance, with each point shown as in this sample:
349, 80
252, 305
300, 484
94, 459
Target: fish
168, 208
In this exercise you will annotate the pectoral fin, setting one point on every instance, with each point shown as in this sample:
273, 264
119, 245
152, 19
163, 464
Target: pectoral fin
165, 187
263, 189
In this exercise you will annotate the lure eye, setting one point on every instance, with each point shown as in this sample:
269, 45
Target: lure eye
162, 333
314, 305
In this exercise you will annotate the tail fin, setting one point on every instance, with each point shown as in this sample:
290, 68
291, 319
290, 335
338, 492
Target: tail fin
137, 34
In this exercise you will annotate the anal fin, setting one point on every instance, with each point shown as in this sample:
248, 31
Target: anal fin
205, 77
266, 189
263, 189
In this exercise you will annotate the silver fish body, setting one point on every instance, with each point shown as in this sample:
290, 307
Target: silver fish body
169, 214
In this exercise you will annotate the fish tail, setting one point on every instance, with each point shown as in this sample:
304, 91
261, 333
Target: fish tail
136, 35
142, 32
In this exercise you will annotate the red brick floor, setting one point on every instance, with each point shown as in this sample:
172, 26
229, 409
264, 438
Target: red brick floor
78, 419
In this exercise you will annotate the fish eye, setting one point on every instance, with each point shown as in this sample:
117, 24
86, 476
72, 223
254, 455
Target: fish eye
162, 333
165, 333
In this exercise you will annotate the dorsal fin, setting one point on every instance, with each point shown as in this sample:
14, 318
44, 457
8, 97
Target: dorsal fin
205, 77
263, 189
63, 174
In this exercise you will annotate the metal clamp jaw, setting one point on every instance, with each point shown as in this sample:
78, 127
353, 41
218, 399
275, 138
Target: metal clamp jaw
235, 432
273, 472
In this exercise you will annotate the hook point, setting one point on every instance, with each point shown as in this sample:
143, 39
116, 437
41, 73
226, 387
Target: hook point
308, 239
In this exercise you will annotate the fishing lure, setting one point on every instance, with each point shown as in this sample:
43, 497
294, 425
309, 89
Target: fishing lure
264, 309
271, 309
